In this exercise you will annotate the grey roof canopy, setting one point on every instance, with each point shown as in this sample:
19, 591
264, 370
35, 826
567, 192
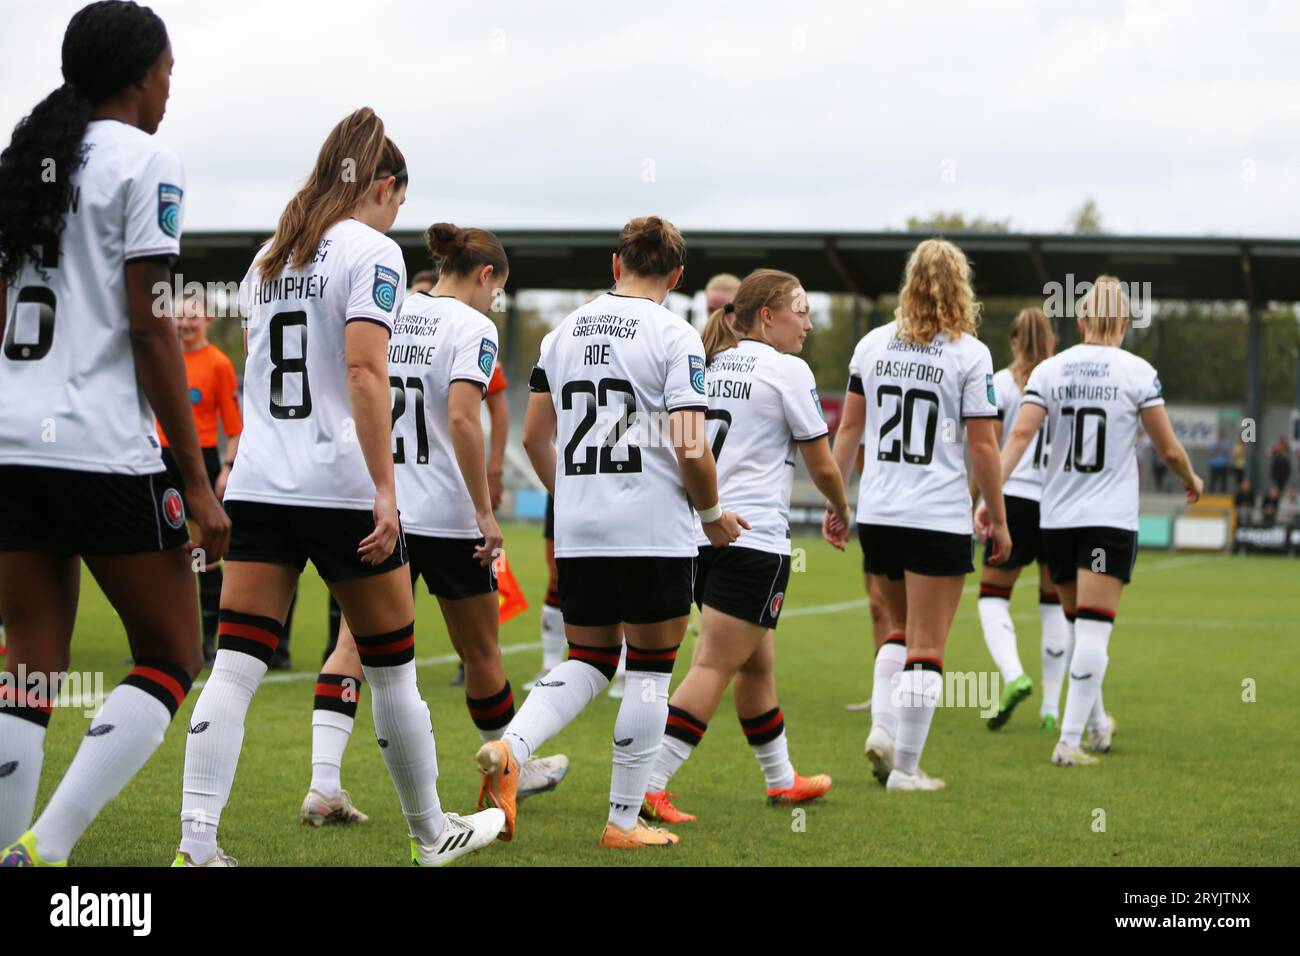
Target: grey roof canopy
1256, 270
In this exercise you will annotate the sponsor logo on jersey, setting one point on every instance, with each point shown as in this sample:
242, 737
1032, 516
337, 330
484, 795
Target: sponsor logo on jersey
993, 395
172, 508
775, 607
697, 373
487, 355
1160, 389
384, 291
196, 396
817, 400
169, 209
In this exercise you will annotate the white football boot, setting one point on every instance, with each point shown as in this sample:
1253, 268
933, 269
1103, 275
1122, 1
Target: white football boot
540, 774
460, 835
1066, 756
319, 810
880, 751
1099, 737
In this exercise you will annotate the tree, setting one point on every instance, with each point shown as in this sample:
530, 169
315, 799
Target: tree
956, 222
1086, 220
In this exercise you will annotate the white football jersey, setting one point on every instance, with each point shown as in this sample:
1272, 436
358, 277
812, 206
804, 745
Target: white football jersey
437, 340
1093, 395
69, 397
614, 369
299, 445
1026, 479
761, 402
914, 474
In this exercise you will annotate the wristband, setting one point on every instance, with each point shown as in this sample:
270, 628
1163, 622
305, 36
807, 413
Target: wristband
710, 515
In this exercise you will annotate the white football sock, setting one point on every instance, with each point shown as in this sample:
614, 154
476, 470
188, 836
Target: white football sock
120, 740
889, 661
1057, 645
1000, 636
766, 736
1087, 669
330, 732
682, 734
1097, 719
22, 751
216, 736
552, 637
638, 732
919, 691
406, 742
553, 703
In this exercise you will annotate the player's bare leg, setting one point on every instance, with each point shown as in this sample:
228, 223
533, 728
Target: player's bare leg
338, 693
38, 600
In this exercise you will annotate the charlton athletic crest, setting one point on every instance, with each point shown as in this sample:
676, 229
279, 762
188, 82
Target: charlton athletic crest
173, 508
774, 609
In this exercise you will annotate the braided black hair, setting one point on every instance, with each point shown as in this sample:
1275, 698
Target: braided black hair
108, 46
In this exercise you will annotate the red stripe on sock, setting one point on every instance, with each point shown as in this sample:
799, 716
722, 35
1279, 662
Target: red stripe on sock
392, 647
992, 590
1108, 615
937, 661
249, 631
496, 710
765, 727
165, 681
330, 690
593, 654
675, 721
636, 654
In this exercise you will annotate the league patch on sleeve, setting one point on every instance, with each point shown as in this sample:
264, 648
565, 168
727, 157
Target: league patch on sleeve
697, 372
817, 400
1157, 387
992, 393
169, 209
487, 356
384, 291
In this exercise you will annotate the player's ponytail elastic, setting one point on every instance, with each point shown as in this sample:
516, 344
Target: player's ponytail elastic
937, 295
1033, 341
107, 47
650, 246
770, 288
354, 155
458, 252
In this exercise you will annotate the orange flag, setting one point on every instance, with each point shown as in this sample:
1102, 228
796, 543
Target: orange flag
509, 595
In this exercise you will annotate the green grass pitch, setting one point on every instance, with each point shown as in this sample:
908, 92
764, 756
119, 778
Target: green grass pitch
1197, 776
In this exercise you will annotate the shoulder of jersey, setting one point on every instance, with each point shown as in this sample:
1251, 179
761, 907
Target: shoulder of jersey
792, 366
467, 317
1002, 376
366, 237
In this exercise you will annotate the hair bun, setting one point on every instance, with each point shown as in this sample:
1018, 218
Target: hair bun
446, 239
729, 308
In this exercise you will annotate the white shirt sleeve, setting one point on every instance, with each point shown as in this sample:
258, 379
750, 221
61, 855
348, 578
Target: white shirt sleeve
377, 283
855, 370
1147, 390
978, 397
1002, 386
538, 381
684, 383
155, 194
1039, 386
475, 354
803, 407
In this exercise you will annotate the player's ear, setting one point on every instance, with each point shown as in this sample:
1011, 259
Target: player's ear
616, 266
675, 277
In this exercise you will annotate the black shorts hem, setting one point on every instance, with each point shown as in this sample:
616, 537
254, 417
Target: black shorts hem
295, 534
1026, 538
449, 567
744, 583
891, 551
1109, 551
606, 591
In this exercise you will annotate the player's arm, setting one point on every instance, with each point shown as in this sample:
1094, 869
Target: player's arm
829, 479
466, 428
986, 466
160, 370
539, 437
232, 423
848, 437
1028, 420
499, 417
365, 350
700, 476
1171, 451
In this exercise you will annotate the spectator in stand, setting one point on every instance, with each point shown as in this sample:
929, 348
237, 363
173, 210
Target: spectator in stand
1279, 467
1244, 502
1220, 460
1288, 512
1268, 510
1238, 462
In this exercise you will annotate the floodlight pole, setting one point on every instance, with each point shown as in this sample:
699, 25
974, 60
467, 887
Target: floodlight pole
1254, 382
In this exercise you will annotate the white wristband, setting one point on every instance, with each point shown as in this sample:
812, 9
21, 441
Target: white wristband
710, 515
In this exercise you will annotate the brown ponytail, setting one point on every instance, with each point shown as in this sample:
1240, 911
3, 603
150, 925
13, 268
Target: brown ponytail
1032, 332
650, 246
726, 326
458, 252
354, 155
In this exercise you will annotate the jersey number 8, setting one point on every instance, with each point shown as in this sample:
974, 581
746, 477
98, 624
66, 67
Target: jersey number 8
281, 366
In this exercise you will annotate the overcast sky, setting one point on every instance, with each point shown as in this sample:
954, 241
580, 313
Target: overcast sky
1178, 117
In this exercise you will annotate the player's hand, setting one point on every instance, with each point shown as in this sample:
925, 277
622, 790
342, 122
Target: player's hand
1001, 538
496, 488
983, 521
210, 530
726, 529
835, 527
219, 486
379, 544
493, 541
1194, 489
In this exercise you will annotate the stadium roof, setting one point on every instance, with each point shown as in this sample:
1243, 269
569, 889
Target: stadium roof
1258, 270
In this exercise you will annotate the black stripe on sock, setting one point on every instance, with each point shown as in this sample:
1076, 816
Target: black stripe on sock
392, 649
684, 726
172, 689
1095, 614
343, 702
764, 728
40, 716
1045, 598
603, 659
480, 707
653, 660
924, 664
